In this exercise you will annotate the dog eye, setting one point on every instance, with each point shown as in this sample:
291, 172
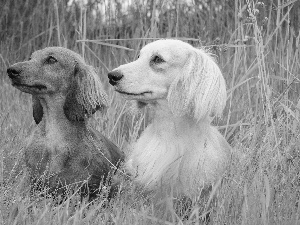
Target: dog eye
156, 59
51, 60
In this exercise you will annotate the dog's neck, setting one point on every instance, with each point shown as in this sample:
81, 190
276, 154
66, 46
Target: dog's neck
176, 150
54, 118
163, 115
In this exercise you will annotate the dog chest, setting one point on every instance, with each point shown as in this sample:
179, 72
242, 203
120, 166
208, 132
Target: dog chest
42, 151
186, 161
68, 160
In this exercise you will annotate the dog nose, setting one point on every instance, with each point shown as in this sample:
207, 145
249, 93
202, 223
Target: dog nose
114, 77
13, 72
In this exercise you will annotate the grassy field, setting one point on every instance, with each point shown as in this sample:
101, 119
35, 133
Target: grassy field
257, 48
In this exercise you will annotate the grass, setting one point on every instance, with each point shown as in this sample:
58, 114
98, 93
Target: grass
257, 47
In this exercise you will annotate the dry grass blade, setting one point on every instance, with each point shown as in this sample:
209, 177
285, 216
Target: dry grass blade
150, 39
106, 44
231, 90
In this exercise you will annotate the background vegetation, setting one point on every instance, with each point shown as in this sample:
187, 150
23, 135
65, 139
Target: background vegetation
257, 47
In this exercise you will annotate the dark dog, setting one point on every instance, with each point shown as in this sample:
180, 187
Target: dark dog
63, 150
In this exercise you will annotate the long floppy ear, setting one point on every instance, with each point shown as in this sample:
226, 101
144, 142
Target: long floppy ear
37, 110
200, 89
86, 94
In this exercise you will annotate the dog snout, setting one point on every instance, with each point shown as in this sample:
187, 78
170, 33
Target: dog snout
114, 77
13, 72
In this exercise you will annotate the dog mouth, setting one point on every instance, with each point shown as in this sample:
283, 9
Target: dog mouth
145, 97
38, 87
135, 94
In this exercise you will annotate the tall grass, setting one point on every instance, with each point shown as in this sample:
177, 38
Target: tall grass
257, 47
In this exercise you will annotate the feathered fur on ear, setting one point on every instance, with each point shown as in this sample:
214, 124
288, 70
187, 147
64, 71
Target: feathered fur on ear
86, 95
37, 110
200, 90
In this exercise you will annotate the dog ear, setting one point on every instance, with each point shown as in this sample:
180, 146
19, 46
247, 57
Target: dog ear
86, 94
37, 110
200, 90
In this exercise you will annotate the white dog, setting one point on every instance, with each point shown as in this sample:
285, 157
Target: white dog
184, 87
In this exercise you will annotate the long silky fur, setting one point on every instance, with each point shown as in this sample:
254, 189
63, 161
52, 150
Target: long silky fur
201, 91
184, 155
90, 94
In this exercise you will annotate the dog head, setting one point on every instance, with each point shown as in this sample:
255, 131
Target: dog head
62, 73
188, 78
